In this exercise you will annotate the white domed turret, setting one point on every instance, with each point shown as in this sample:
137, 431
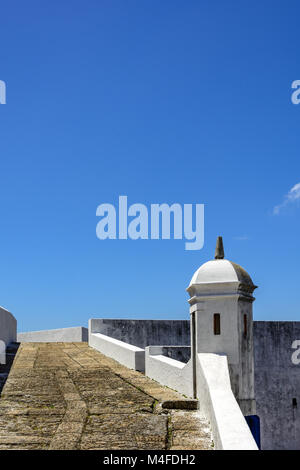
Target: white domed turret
221, 320
220, 274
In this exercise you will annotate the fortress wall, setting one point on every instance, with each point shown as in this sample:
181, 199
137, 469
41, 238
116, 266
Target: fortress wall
277, 377
277, 383
66, 335
8, 326
142, 333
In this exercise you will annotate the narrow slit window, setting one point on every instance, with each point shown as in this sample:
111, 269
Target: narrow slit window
245, 326
217, 324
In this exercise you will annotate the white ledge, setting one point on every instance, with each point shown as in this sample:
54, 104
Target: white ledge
127, 354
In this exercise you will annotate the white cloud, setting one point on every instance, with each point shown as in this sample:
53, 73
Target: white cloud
292, 196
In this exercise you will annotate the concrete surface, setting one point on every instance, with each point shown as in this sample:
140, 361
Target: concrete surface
218, 404
67, 396
277, 383
66, 335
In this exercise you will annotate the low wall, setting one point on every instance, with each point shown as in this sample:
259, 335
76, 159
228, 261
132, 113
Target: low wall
127, 354
142, 333
8, 331
277, 383
75, 334
170, 372
217, 402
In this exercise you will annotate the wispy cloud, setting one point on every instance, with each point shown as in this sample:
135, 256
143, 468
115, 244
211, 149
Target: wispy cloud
241, 237
292, 196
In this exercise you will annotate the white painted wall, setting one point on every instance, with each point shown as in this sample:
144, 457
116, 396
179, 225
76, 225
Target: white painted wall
217, 402
74, 334
8, 331
127, 354
174, 374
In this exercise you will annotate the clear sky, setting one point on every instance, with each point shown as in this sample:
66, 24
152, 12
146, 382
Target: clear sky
162, 101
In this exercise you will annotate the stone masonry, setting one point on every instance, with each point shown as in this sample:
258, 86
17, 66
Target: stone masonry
69, 396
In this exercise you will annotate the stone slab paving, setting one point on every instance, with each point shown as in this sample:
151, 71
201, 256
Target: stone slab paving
69, 396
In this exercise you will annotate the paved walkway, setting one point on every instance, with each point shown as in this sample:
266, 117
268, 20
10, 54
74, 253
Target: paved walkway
69, 396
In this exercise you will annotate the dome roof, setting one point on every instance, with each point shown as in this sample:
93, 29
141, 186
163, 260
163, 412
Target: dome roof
221, 270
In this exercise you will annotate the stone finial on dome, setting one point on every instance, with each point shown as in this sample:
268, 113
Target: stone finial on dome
219, 253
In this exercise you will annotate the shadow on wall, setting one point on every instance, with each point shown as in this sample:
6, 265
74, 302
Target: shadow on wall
11, 352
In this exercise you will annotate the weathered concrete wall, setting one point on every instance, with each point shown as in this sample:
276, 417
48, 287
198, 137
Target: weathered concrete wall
8, 331
178, 353
142, 333
277, 383
66, 335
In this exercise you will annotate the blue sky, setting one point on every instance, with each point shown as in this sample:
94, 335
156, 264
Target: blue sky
162, 101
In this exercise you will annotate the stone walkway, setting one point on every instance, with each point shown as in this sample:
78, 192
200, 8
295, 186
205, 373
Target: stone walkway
69, 396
